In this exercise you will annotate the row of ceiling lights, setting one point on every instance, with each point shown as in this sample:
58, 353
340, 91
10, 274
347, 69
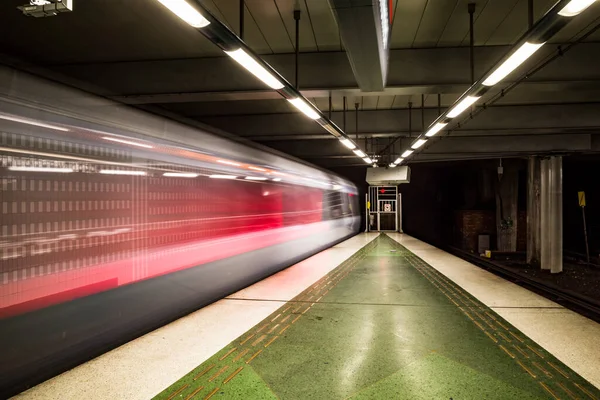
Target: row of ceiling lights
235, 48
552, 22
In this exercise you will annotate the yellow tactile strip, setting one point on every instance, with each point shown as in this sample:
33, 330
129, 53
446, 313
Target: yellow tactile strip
533, 359
215, 373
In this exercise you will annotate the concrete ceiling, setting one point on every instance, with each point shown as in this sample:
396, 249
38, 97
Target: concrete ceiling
136, 52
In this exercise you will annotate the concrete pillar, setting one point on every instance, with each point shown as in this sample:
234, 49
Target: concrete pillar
506, 208
556, 214
533, 211
545, 214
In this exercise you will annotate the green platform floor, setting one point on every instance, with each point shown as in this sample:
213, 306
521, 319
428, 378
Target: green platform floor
382, 325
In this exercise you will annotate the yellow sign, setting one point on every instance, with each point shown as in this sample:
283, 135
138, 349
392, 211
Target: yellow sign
368, 205
581, 196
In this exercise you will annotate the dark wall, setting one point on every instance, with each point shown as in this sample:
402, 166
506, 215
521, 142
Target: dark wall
581, 174
438, 190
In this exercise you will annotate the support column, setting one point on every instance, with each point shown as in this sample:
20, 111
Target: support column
506, 210
545, 217
556, 213
533, 211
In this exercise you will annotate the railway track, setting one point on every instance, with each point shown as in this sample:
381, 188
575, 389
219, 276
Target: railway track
574, 301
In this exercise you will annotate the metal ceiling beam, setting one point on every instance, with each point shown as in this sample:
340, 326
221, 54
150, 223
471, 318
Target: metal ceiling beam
506, 117
434, 88
325, 70
460, 147
364, 26
557, 17
505, 133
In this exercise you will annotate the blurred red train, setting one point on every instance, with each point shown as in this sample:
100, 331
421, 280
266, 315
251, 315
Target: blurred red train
115, 222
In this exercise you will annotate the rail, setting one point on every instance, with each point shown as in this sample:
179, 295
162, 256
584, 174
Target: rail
574, 301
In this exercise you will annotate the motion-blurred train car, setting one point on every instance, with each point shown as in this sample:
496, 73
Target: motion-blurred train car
116, 221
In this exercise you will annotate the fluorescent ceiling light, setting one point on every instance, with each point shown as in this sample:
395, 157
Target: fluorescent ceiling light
222, 177
392, 165
407, 153
257, 169
398, 160
183, 10
575, 7
121, 172
246, 61
228, 163
348, 143
306, 108
418, 143
180, 175
518, 58
359, 153
331, 129
128, 142
31, 122
40, 169
255, 178
367, 160
462, 106
435, 129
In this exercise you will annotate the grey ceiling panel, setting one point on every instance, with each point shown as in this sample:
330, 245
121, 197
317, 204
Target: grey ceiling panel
218, 108
512, 27
406, 22
436, 17
384, 102
266, 16
369, 103
324, 25
228, 12
489, 19
458, 25
307, 37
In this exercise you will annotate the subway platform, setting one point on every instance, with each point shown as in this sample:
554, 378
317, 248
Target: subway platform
375, 317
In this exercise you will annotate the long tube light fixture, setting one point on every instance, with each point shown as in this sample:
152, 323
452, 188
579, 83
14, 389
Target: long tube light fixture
418, 143
517, 58
198, 16
435, 129
246, 61
186, 12
348, 143
462, 106
360, 153
306, 108
543, 30
575, 7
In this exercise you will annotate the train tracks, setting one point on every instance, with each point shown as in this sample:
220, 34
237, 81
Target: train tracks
574, 301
